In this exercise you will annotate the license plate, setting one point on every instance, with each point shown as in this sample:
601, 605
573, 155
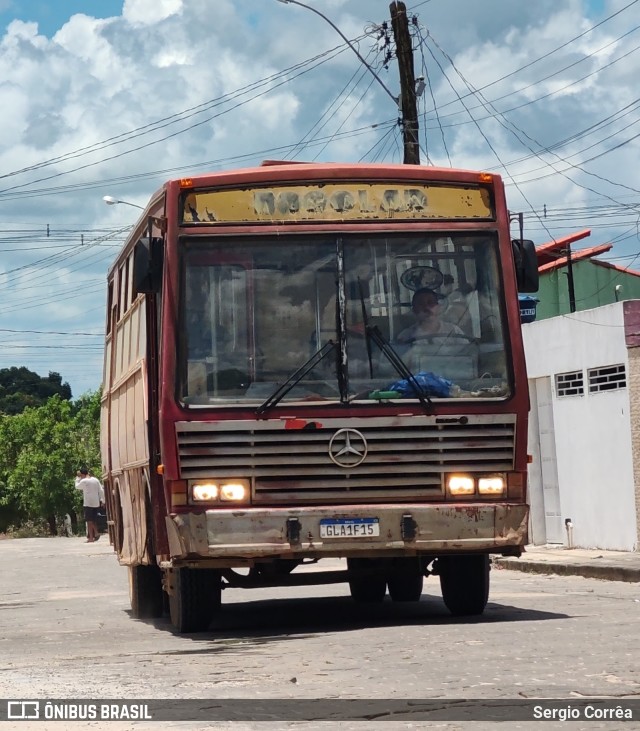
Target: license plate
349, 527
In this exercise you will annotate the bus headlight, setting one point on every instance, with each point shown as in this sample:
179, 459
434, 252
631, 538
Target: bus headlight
204, 491
493, 485
237, 490
458, 485
211, 491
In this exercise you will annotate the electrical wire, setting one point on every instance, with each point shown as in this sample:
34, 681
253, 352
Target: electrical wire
483, 135
550, 53
356, 105
338, 101
209, 165
168, 136
517, 131
182, 115
391, 135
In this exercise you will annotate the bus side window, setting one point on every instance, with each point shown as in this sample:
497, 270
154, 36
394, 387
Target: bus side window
109, 307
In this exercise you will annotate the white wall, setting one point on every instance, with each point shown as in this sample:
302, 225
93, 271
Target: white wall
592, 431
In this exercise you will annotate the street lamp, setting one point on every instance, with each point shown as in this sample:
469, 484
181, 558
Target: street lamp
111, 201
347, 41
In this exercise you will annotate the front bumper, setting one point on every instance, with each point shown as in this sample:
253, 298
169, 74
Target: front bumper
404, 529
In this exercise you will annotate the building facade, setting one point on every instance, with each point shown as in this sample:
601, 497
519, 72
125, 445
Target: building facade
567, 274
595, 283
584, 433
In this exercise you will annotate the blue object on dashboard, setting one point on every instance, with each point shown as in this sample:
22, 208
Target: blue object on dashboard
429, 383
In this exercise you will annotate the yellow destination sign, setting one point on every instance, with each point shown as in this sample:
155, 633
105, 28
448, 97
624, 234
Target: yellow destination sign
337, 202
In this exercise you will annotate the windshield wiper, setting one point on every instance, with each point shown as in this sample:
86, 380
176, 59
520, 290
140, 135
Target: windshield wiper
365, 322
373, 333
296, 377
400, 366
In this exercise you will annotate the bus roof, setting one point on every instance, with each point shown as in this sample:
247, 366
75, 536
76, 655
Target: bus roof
272, 170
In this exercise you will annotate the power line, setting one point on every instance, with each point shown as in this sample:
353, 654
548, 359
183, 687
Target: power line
515, 131
178, 116
52, 332
484, 136
546, 55
210, 164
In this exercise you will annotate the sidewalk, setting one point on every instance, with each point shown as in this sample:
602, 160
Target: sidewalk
592, 564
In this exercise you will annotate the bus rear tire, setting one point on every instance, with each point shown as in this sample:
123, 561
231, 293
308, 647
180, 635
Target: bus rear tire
195, 599
405, 580
464, 581
145, 592
370, 587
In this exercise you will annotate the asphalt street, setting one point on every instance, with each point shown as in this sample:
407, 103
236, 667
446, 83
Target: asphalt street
66, 632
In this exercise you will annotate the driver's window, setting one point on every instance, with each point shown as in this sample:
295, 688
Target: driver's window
293, 312
217, 338
284, 318
437, 322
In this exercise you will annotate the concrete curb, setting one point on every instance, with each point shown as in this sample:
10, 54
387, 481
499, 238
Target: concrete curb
606, 572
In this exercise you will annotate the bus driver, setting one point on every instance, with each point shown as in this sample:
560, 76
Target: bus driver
429, 326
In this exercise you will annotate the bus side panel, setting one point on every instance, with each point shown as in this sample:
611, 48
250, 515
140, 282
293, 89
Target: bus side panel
127, 442
136, 518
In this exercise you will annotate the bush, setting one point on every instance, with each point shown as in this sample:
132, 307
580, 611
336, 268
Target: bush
28, 529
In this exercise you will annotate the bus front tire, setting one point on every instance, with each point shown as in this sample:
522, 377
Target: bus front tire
145, 591
370, 586
464, 581
195, 598
405, 580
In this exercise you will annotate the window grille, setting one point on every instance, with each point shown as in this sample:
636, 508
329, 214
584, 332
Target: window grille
570, 384
607, 378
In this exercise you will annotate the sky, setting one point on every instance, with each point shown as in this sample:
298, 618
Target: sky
113, 97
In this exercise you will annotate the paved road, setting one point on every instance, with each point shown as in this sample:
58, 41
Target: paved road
65, 631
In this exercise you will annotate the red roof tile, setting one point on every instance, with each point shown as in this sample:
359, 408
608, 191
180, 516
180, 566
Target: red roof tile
617, 267
549, 252
575, 256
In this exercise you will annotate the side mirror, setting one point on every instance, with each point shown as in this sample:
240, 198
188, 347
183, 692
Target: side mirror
526, 261
148, 256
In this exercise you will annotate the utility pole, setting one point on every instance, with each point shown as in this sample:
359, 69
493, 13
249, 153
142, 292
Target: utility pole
409, 106
572, 292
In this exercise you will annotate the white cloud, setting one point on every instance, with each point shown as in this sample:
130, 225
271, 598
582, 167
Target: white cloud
93, 96
149, 12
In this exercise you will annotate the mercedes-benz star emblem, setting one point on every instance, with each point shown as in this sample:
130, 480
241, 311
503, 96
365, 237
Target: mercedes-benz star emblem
348, 448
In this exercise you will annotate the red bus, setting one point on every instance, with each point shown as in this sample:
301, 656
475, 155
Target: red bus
308, 361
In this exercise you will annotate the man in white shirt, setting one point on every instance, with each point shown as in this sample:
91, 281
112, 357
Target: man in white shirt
427, 310
93, 494
433, 344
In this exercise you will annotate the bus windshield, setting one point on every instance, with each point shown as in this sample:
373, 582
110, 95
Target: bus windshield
253, 313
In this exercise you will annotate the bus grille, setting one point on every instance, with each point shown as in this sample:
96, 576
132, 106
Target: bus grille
289, 465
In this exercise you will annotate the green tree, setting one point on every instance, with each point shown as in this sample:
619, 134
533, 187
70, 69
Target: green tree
86, 428
20, 388
12, 513
42, 449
